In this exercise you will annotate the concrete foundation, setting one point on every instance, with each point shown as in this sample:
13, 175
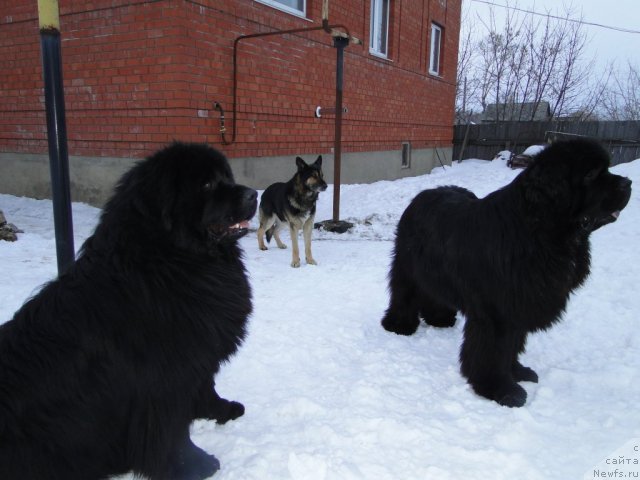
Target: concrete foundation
93, 178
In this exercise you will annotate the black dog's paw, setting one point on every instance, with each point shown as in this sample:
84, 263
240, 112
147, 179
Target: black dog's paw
506, 392
440, 321
228, 410
391, 324
194, 464
436, 315
524, 374
513, 396
200, 469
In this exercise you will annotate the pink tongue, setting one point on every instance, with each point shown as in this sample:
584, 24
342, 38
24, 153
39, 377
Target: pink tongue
244, 224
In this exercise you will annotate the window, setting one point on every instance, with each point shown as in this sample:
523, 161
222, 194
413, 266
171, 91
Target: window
379, 38
406, 155
297, 7
435, 49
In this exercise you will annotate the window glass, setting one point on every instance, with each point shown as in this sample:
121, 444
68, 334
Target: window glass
434, 55
379, 42
297, 7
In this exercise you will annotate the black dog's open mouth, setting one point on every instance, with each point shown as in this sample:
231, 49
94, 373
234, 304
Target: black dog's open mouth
231, 232
614, 206
612, 217
592, 224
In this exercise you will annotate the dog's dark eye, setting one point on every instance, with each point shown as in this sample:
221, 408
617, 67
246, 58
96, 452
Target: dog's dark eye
591, 176
208, 186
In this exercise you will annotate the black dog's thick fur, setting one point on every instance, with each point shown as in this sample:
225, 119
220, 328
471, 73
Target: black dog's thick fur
103, 371
508, 261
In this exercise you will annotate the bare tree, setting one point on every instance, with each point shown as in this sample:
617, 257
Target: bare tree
571, 87
622, 99
464, 89
499, 62
528, 60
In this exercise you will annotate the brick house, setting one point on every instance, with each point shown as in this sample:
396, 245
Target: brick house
139, 74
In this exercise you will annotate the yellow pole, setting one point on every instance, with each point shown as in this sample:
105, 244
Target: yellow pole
48, 13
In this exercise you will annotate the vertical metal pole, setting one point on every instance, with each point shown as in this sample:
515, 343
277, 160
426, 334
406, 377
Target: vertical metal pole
48, 13
340, 43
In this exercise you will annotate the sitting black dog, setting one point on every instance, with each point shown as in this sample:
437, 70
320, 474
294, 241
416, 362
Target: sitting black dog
103, 371
508, 261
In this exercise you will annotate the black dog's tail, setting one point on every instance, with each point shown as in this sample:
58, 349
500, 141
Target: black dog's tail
269, 233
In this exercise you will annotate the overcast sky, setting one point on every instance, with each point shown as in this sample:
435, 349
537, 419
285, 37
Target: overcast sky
605, 44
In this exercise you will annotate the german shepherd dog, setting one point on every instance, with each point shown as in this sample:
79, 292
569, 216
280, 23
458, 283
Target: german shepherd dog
293, 203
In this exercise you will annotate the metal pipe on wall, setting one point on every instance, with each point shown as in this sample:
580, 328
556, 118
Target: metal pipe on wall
332, 29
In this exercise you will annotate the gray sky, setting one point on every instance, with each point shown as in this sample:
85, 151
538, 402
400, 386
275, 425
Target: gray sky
605, 44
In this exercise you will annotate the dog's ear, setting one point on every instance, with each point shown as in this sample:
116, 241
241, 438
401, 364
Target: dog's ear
546, 188
167, 221
318, 162
301, 164
144, 207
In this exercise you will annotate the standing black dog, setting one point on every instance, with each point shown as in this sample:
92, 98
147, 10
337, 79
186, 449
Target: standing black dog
293, 202
103, 371
508, 261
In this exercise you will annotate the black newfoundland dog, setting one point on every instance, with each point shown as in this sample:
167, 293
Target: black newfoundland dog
103, 371
508, 261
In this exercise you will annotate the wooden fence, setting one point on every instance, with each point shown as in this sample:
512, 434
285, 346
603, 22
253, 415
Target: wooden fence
486, 140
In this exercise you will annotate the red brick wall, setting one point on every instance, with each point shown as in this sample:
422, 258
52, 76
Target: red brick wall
139, 74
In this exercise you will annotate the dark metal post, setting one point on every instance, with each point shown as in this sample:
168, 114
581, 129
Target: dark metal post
48, 13
340, 43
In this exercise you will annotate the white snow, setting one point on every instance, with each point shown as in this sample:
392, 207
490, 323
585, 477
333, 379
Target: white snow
533, 150
331, 395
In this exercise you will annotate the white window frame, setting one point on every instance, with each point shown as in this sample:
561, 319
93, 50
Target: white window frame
286, 8
435, 49
379, 27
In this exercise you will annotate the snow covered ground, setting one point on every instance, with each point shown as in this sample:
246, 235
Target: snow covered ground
331, 395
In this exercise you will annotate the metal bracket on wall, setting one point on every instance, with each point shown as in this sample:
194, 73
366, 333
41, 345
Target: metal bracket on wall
320, 111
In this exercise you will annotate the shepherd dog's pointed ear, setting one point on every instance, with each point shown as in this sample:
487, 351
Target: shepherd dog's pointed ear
301, 163
318, 162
